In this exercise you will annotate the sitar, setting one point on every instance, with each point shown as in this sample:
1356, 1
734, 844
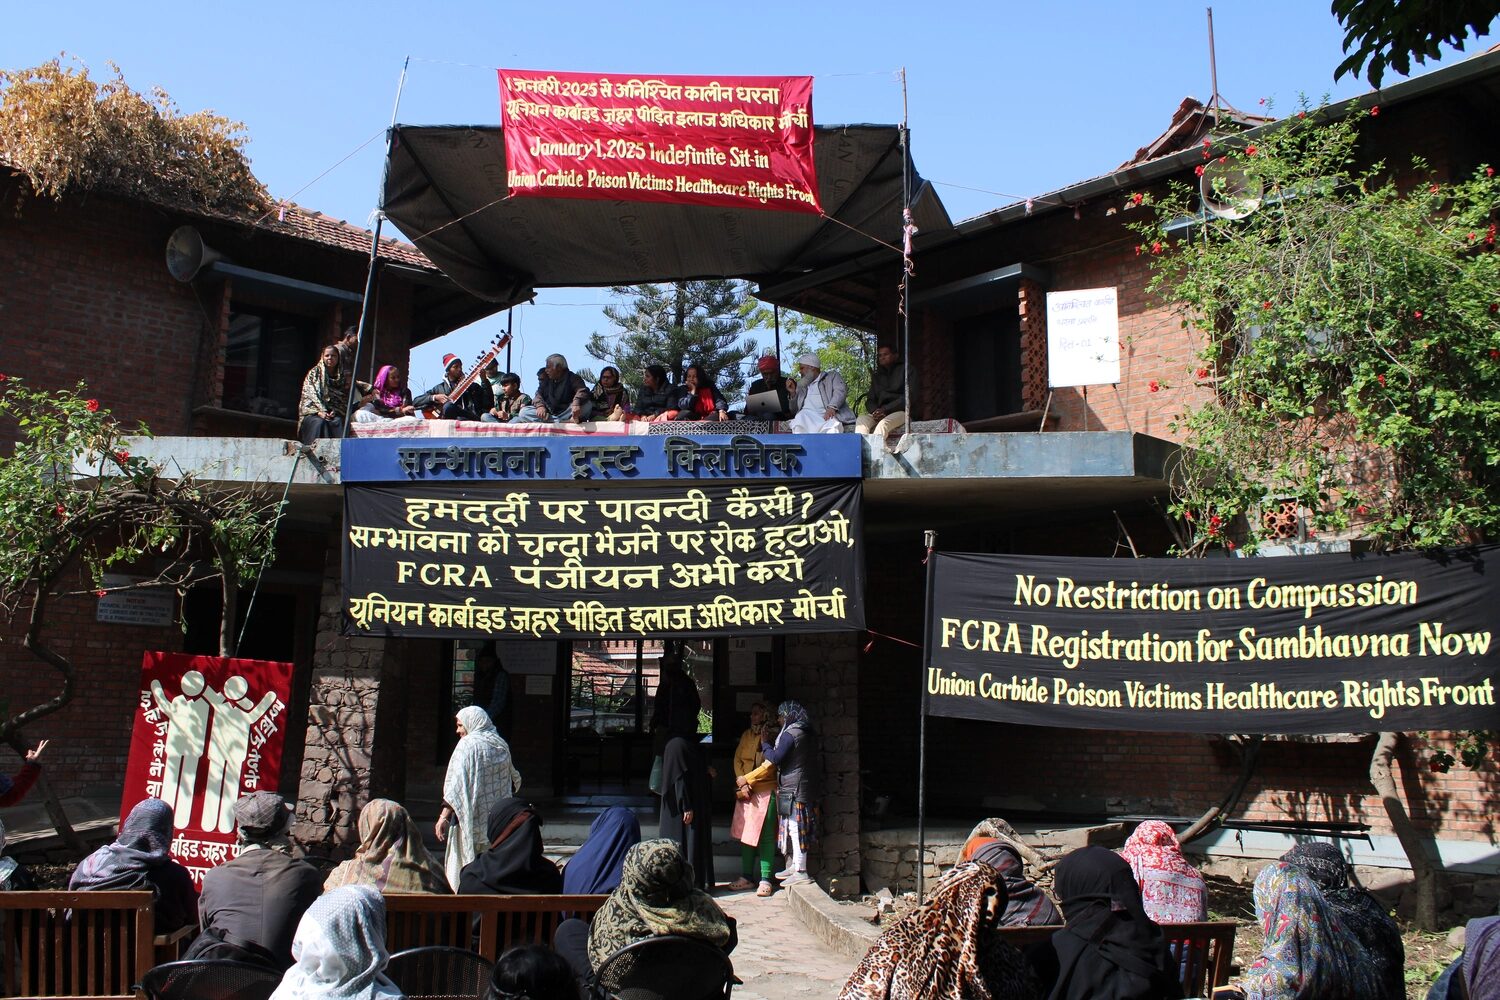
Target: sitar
434, 411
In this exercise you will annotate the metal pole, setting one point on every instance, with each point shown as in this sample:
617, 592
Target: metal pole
1213, 68
929, 539
510, 328
776, 318
374, 269
906, 271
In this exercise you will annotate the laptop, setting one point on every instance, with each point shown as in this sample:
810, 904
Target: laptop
763, 406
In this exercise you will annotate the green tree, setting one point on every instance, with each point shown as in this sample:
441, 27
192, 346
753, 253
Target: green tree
843, 349
63, 528
675, 325
1391, 33
1352, 349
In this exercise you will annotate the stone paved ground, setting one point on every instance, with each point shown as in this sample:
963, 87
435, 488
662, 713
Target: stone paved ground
777, 957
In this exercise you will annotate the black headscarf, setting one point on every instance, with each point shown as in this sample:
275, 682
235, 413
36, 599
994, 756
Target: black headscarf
1360, 914
514, 864
1110, 949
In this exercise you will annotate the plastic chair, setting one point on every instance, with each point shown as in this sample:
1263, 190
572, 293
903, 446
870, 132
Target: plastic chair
440, 971
668, 967
210, 979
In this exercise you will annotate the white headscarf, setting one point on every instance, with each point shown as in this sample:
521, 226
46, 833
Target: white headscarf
811, 361
339, 949
480, 773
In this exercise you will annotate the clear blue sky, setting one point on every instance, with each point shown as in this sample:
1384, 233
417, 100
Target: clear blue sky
1006, 100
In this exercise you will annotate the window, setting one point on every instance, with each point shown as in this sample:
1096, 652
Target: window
613, 684
268, 355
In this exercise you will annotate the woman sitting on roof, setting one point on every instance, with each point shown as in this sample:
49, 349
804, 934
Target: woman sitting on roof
698, 398
611, 398
325, 398
391, 399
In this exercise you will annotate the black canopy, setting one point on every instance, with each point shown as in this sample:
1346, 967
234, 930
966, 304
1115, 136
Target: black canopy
446, 189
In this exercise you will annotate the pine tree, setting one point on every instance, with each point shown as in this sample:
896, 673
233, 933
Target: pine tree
675, 325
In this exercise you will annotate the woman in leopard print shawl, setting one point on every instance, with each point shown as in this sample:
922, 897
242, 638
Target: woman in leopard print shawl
947, 948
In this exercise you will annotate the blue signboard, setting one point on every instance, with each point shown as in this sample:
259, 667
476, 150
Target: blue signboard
602, 458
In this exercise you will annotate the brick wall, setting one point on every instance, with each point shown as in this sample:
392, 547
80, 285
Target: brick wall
821, 674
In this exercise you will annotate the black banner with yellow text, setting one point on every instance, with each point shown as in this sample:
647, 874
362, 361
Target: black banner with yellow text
624, 560
1311, 644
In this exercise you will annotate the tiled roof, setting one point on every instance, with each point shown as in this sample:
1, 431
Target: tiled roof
297, 222
290, 220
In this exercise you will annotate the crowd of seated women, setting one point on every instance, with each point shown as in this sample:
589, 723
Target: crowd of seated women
1325, 938
326, 934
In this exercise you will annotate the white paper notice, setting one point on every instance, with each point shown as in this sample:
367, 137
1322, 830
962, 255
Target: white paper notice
1083, 337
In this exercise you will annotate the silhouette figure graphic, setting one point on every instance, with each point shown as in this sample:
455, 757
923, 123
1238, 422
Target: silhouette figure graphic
228, 745
186, 732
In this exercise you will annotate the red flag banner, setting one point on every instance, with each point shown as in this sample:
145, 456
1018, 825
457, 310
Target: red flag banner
743, 141
207, 730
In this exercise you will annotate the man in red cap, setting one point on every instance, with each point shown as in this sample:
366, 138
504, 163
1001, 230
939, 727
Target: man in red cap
771, 381
462, 408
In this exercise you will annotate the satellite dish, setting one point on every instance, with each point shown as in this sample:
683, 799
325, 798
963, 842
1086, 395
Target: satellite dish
1228, 192
187, 254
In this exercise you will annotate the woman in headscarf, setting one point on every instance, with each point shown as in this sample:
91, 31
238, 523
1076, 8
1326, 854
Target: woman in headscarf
655, 896
325, 398
1109, 949
1376, 933
597, 866
1308, 954
391, 399
480, 774
339, 950
698, 398
948, 948
798, 786
14, 876
391, 856
611, 398
514, 863
686, 802
1482, 958
139, 858
754, 805
996, 843
1172, 891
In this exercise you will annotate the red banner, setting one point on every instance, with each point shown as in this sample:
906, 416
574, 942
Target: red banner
744, 141
207, 730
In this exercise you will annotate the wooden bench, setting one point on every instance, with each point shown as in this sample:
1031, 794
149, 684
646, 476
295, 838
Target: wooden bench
1206, 949
486, 924
101, 950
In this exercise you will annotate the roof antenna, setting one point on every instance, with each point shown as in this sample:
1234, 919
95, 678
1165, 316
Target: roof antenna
1215, 101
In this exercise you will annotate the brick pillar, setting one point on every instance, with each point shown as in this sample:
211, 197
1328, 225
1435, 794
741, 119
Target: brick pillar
1033, 307
355, 718
821, 674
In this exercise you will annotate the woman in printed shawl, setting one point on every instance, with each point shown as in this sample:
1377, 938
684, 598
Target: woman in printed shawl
611, 398
597, 866
139, 858
480, 774
1475, 973
798, 781
1308, 953
655, 896
947, 948
391, 399
1172, 891
514, 863
325, 398
996, 843
13, 875
1372, 927
339, 950
686, 804
1109, 949
391, 856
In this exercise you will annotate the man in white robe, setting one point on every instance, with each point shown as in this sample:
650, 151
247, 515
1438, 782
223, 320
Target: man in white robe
822, 404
